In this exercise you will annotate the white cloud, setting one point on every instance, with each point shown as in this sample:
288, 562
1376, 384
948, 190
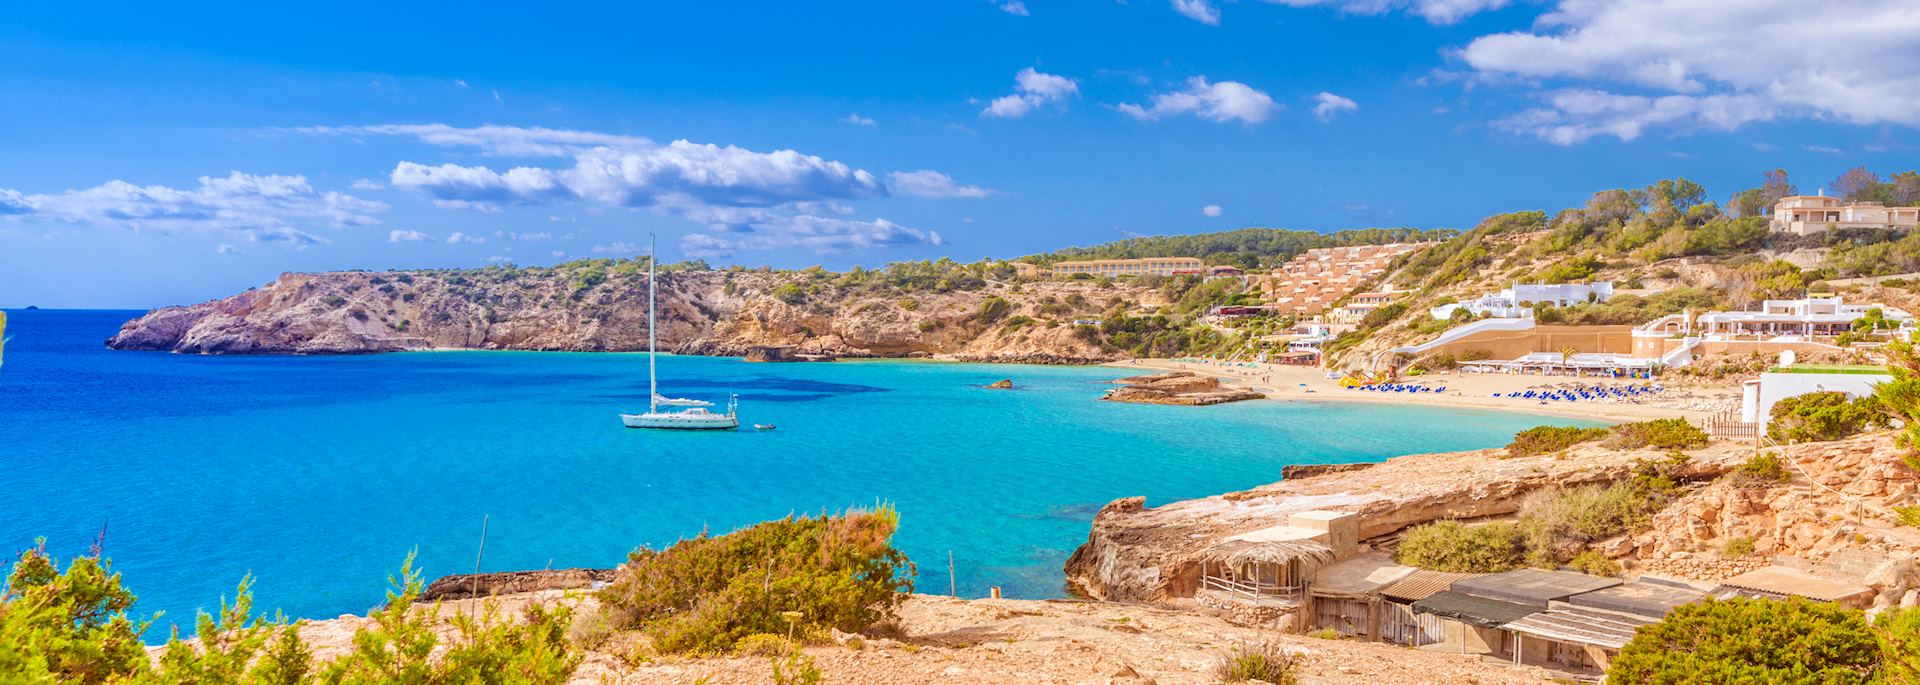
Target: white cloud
930, 183
1211, 210
269, 204
858, 120
1327, 105
227, 249
458, 238
1434, 11
1616, 68
557, 254
294, 237
618, 247
1014, 7
677, 174
1822, 149
536, 235
1217, 102
460, 82
400, 236
509, 141
734, 230
1574, 116
1033, 89
367, 184
1203, 11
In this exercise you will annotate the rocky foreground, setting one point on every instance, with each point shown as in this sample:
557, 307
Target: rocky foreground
1838, 502
724, 313
1005, 642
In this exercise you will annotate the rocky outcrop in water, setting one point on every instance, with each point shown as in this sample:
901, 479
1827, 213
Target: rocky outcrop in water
469, 585
576, 308
1177, 388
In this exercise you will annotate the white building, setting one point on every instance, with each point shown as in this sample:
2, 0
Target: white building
1518, 301
1758, 396
1809, 214
1777, 320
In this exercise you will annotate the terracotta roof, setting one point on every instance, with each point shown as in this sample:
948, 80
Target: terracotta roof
1422, 584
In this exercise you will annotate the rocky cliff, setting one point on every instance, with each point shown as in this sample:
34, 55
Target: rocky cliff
701, 312
1152, 554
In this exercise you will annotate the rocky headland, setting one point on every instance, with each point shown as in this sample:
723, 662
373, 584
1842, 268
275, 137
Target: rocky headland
805, 314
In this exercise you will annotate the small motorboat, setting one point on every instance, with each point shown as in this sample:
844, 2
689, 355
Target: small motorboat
763, 426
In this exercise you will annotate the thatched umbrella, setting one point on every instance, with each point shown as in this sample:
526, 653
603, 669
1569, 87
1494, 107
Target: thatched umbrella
1235, 553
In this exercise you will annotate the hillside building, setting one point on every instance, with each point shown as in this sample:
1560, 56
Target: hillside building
1518, 301
1115, 268
1314, 280
1811, 214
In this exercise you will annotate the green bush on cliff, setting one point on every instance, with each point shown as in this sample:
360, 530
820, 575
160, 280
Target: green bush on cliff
1456, 547
1546, 439
1559, 525
1658, 433
705, 594
1823, 416
1754, 641
72, 626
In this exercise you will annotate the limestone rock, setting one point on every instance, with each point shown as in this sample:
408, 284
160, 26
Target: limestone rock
1002, 384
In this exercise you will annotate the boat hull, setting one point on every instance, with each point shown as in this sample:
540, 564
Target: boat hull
680, 421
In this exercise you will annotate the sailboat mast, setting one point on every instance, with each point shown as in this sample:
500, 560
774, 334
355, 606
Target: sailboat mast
653, 381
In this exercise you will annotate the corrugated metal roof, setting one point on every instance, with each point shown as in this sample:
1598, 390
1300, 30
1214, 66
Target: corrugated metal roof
1422, 584
1645, 598
1567, 623
1533, 586
1780, 580
1474, 611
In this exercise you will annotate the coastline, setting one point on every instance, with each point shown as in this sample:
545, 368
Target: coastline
1310, 384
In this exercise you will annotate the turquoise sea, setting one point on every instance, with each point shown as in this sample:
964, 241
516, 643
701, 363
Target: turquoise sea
318, 474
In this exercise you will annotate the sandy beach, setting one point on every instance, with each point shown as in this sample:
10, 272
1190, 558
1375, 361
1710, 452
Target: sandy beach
1298, 383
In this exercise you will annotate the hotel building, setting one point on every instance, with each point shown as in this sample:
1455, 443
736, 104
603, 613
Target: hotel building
1810, 214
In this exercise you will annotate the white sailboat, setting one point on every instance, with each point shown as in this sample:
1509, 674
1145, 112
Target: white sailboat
696, 416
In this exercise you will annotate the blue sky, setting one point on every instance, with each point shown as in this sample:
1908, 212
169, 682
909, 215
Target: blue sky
158, 154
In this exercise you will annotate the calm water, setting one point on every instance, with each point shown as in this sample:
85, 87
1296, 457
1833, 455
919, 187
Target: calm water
318, 474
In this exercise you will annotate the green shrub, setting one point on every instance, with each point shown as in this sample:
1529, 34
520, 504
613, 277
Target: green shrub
1266, 663
705, 594
72, 627
1659, 434
1592, 563
1908, 516
764, 645
790, 293
1545, 439
796, 669
993, 309
1558, 525
1898, 630
1822, 416
1456, 547
1761, 470
1736, 548
1751, 641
